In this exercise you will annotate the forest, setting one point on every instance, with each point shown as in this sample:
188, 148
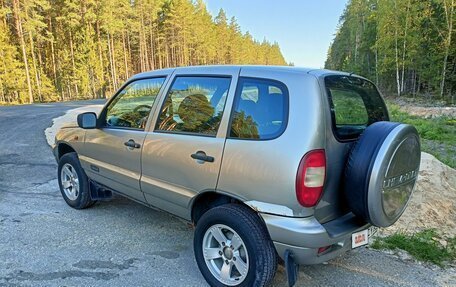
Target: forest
406, 47
57, 50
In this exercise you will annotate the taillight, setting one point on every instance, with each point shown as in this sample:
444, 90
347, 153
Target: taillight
311, 178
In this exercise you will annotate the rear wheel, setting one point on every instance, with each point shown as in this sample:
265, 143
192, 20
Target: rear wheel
233, 248
73, 182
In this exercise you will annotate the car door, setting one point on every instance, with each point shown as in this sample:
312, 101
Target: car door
183, 151
112, 152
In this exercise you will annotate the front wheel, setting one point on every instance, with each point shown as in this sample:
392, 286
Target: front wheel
233, 248
73, 182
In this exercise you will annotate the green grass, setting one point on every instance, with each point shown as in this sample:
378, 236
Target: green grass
423, 245
438, 135
349, 108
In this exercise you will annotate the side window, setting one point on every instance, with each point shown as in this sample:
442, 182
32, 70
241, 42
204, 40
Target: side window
131, 107
260, 110
355, 104
194, 105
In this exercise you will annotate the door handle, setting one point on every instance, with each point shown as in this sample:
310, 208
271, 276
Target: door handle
132, 144
201, 155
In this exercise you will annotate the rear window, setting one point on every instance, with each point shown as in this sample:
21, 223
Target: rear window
355, 104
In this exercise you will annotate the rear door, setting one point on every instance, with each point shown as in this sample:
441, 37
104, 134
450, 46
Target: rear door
112, 153
183, 151
353, 104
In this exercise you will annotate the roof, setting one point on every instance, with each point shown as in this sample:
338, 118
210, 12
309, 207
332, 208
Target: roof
196, 69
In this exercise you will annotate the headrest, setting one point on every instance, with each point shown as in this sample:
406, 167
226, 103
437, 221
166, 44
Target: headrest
195, 110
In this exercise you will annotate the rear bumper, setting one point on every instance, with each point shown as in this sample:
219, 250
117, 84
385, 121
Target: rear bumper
304, 236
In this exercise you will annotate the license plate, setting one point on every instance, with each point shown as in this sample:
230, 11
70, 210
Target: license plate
361, 238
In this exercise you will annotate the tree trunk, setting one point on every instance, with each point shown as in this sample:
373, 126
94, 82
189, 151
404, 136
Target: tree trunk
125, 55
100, 55
142, 65
20, 35
73, 64
405, 46
35, 68
414, 83
418, 86
69, 91
356, 46
111, 60
449, 18
160, 56
54, 66
134, 68
376, 60
398, 82
114, 62
152, 48
143, 44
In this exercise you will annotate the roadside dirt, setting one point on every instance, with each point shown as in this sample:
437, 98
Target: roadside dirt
424, 110
430, 112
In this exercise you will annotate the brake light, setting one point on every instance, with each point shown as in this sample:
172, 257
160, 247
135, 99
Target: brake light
311, 178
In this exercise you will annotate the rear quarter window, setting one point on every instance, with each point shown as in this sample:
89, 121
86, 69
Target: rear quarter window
355, 104
260, 109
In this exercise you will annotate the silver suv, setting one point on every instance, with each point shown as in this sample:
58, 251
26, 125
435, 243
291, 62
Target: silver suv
267, 162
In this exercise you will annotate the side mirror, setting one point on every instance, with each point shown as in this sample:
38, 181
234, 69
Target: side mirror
87, 120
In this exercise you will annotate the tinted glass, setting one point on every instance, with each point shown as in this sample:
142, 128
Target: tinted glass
194, 105
261, 109
355, 104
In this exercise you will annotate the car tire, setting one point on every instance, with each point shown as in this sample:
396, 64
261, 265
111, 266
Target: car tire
381, 172
245, 249
73, 182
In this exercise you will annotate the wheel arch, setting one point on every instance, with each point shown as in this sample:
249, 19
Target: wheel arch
64, 148
210, 199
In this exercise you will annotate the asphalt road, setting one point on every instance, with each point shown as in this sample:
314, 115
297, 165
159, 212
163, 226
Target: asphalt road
43, 242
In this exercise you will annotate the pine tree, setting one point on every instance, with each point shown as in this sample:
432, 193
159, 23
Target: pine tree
79, 49
405, 45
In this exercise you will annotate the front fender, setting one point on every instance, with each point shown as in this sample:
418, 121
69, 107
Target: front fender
68, 139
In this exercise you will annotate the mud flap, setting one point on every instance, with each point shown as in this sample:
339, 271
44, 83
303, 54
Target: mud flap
99, 192
291, 267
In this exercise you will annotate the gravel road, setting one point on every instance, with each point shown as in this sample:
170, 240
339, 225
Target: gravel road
43, 242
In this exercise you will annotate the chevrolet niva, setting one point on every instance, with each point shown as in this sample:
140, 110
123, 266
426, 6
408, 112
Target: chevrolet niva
267, 162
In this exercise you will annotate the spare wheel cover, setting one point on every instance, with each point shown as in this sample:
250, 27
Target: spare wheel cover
389, 175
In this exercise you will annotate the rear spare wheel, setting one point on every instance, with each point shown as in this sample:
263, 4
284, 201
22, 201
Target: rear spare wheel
381, 172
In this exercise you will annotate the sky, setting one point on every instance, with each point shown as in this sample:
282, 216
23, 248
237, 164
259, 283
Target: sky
304, 29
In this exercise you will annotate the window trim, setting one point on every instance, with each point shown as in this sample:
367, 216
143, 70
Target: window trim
237, 98
101, 120
332, 114
157, 122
